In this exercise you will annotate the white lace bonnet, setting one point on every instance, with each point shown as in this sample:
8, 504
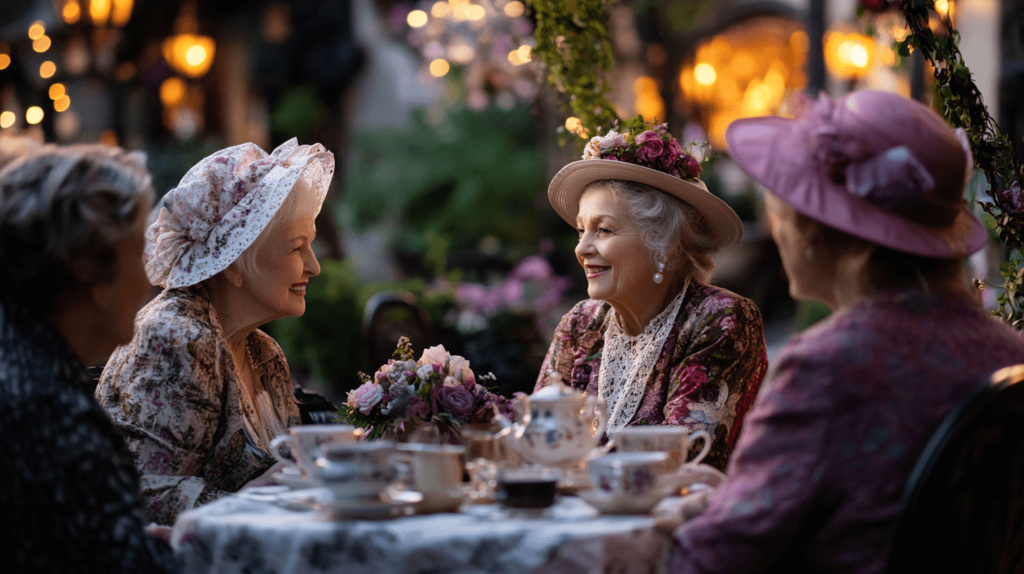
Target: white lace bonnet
222, 205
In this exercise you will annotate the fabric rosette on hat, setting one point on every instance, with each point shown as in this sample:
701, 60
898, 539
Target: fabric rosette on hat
222, 205
648, 155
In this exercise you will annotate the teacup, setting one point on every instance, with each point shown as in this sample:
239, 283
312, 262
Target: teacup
674, 440
436, 473
529, 488
306, 444
358, 469
628, 474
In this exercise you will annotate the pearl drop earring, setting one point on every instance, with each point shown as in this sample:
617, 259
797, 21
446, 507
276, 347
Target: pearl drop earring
658, 277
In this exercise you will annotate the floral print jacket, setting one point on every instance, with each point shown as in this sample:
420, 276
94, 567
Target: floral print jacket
706, 377
819, 472
174, 393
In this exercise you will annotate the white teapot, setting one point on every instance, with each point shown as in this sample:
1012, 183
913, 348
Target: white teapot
560, 426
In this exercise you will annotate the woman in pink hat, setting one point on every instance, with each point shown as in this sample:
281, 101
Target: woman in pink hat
656, 340
200, 392
867, 210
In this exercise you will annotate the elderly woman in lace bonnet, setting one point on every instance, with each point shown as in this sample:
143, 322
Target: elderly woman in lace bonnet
200, 392
656, 340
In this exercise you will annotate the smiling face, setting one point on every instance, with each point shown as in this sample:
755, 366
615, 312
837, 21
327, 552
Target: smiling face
611, 251
285, 263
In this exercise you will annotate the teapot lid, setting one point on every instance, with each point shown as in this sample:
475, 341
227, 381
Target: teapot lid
556, 390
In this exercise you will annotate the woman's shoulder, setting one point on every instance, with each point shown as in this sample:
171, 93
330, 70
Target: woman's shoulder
587, 314
176, 312
716, 303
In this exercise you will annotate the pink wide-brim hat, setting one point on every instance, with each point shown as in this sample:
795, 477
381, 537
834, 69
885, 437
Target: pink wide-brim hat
568, 185
870, 164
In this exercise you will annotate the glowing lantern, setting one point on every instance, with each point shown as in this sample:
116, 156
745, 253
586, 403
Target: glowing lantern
188, 52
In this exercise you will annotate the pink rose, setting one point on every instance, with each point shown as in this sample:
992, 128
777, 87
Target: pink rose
692, 378
434, 355
647, 137
675, 151
651, 149
366, 397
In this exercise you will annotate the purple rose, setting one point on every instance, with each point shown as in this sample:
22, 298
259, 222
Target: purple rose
1013, 199
675, 151
691, 167
457, 400
651, 150
647, 137
418, 409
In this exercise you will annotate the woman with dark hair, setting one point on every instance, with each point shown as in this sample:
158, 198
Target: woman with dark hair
867, 209
72, 223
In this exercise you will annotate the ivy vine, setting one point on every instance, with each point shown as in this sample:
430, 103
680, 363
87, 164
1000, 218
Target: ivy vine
962, 106
574, 44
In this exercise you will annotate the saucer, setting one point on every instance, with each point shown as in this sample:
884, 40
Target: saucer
609, 504
392, 504
295, 481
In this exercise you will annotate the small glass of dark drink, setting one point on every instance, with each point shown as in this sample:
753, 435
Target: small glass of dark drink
527, 488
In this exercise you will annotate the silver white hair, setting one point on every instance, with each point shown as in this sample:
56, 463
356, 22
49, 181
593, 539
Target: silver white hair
62, 211
672, 230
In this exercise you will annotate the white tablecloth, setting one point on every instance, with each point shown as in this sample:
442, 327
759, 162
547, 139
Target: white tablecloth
238, 535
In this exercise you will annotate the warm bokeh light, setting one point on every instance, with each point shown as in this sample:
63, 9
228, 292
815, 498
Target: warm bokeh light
475, 12
462, 53
7, 120
34, 115
440, 10
36, 30
848, 55
41, 44
520, 55
124, 72
745, 71
47, 69
190, 54
942, 7
99, 11
62, 103
573, 124
109, 137
417, 18
5, 61
439, 67
515, 9
172, 91
71, 12
705, 74
57, 90
122, 12
649, 103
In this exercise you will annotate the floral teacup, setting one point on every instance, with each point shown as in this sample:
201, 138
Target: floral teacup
628, 474
674, 440
306, 443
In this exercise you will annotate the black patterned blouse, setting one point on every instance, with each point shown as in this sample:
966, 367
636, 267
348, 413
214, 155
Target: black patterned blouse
69, 494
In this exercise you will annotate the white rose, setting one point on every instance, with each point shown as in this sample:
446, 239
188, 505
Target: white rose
593, 149
425, 372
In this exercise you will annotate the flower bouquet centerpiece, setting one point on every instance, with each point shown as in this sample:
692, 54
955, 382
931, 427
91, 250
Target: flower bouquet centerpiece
438, 389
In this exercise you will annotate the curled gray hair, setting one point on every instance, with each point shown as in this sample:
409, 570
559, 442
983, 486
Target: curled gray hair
672, 230
300, 201
62, 211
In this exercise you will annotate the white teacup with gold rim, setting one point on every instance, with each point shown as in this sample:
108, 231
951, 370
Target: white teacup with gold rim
674, 440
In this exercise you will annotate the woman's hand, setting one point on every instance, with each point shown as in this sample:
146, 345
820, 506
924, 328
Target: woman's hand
160, 532
671, 517
265, 479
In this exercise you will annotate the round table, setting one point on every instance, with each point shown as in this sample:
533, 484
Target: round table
236, 534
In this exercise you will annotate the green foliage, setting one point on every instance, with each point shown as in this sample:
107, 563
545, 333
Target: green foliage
298, 112
449, 183
960, 102
574, 43
326, 342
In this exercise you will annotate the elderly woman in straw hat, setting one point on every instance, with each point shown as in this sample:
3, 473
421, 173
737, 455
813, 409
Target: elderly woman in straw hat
200, 392
868, 213
656, 340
